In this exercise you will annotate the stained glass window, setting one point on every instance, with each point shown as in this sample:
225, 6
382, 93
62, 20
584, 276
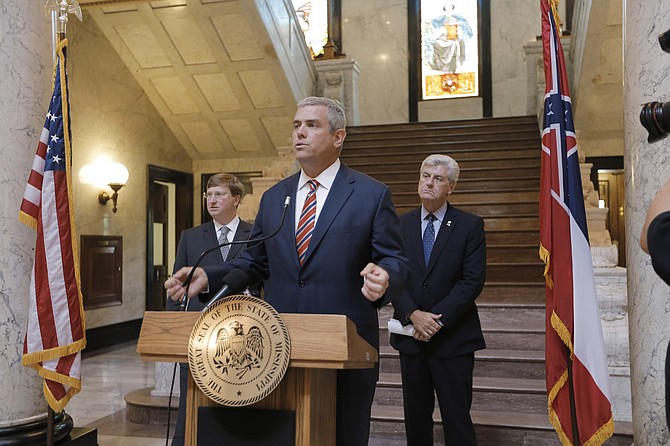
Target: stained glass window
313, 19
449, 49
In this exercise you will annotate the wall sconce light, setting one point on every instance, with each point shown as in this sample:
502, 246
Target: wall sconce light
117, 177
104, 173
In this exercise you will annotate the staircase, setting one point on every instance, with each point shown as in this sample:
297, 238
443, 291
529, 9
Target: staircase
499, 181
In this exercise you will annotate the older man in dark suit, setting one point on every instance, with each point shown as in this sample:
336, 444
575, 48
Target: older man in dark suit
447, 259
339, 253
223, 195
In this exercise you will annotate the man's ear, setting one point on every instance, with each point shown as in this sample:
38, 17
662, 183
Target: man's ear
338, 137
452, 186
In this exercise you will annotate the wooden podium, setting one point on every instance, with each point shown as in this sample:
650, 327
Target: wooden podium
320, 344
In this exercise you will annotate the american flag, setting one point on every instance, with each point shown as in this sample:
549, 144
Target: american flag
56, 334
574, 336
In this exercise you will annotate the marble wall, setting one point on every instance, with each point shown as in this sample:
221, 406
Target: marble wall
647, 167
25, 87
112, 116
375, 36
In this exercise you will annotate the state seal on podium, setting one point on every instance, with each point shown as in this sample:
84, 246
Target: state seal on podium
239, 350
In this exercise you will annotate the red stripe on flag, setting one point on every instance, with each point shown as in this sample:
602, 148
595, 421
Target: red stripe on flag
47, 324
67, 255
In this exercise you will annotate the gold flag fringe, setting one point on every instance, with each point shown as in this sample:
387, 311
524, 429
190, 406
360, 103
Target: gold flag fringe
557, 18
545, 257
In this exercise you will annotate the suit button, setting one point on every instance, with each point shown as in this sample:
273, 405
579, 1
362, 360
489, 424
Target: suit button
301, 284
425, 285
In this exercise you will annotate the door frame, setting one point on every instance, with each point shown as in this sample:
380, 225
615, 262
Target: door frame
183, 218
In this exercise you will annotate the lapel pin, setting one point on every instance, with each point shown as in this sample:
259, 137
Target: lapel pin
448, 222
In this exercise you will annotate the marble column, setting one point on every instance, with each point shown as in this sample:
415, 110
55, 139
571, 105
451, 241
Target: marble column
647, 167
25, 83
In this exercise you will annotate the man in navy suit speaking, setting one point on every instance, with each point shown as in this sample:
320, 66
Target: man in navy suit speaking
223, 195
339, 252
447, 258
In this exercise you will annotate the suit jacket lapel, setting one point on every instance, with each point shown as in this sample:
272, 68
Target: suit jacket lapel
286, 235
415, 242
210, 239
242, 233
446, 229
341, 190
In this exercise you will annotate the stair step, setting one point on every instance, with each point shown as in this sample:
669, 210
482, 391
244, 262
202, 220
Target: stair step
497, 293
513, 236
507, 253
427, 144
414, 150
505, 363
521, 318
477, 196
518, 337
516, 272
488, 209
381, 163
493, 428
519, 221
502, 211
497, 363
483, 124
475, 174
472, 185
503, 394
441, 128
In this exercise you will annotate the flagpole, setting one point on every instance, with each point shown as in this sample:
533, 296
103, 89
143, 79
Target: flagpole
59, 19
51, 416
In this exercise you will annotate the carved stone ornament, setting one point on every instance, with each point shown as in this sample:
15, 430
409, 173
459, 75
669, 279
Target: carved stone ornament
239, 350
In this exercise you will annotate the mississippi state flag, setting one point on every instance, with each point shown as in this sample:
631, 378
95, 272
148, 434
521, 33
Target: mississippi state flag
574, 336
55, 335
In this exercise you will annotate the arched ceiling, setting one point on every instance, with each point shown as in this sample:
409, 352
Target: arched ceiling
209, 68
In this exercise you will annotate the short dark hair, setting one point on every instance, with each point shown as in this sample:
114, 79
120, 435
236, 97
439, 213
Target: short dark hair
227, 180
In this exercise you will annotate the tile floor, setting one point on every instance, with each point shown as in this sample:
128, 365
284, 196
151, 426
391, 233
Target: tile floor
108, 375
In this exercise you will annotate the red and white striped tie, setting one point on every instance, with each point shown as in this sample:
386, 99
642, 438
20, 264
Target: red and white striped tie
306, 222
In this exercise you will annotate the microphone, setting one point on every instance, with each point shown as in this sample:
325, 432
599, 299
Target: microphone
233, 282
187, 282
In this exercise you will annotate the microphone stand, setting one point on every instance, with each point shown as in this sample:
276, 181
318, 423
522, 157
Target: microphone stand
184, 300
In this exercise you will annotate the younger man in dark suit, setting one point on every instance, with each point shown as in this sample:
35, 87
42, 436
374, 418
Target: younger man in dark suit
223, 195
447, 259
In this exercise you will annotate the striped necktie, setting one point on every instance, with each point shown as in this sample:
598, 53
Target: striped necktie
223, 238
306, 222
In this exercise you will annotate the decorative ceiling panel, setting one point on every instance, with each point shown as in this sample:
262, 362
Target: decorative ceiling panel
175, 95
210, 70
202, 136
237, 37
218, 92
278, 128
119, 8
261, 88
189, 41
241, 135
143, 45
167, 3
